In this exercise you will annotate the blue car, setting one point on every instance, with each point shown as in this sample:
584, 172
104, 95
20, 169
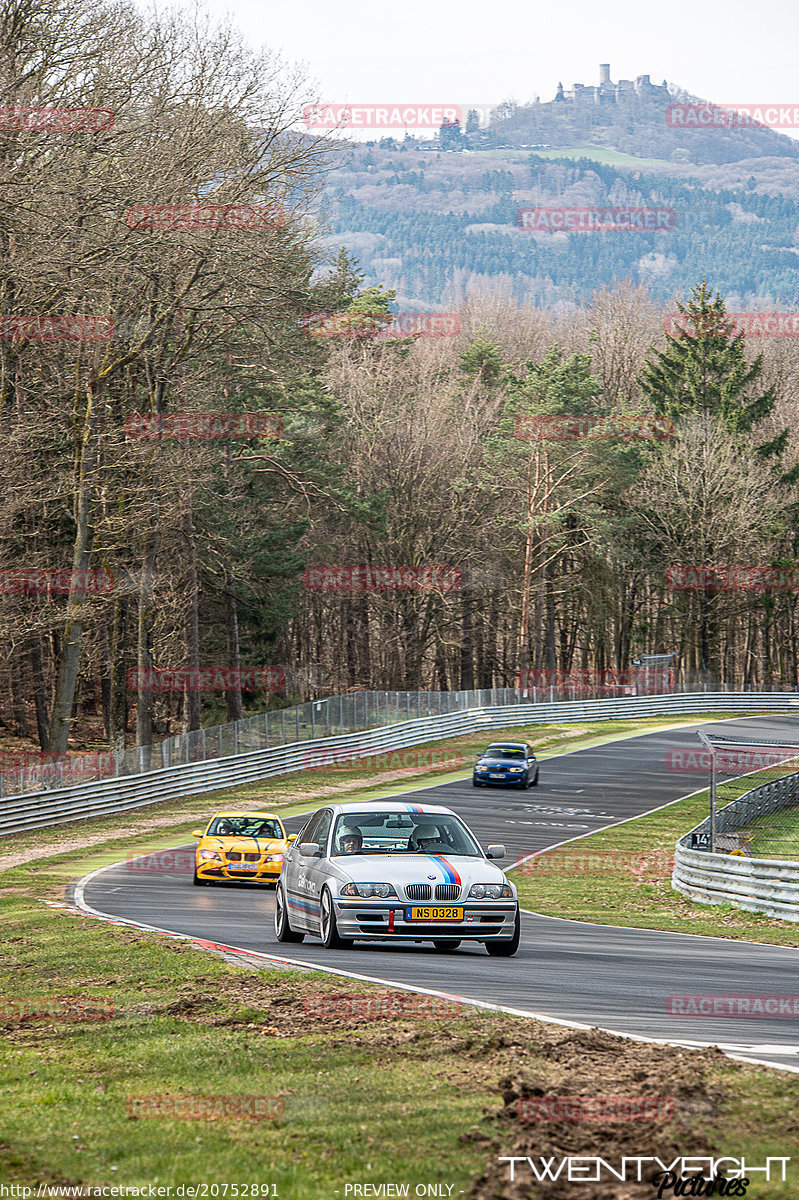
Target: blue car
510, 763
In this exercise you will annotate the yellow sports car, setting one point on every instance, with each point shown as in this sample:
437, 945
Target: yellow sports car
238, 846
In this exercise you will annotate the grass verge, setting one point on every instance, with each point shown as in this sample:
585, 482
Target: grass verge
622, 876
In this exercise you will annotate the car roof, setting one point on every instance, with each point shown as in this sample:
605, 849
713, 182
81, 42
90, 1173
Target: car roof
510, 745
394, 806
244, 812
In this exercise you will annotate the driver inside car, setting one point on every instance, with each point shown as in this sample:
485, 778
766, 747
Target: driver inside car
427, 838
350, 842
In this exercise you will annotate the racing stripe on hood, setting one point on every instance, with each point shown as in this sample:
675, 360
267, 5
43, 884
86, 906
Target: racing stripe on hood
450, 874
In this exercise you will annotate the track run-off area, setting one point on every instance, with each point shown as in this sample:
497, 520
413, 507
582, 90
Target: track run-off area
616, 978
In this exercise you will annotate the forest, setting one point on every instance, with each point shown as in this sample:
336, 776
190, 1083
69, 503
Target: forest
233, 482
432, 226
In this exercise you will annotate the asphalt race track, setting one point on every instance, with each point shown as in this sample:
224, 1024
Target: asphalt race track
616, 978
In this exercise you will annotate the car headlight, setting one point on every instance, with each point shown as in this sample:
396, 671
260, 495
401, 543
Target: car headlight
518, 770
274, 858
208, 854
381, 891
490, 891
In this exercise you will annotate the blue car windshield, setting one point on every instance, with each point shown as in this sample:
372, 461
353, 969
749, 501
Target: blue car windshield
503, 752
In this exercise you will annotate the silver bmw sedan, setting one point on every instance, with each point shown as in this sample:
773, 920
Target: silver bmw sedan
394, 871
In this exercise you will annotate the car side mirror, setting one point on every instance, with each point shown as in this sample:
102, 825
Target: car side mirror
495, 852
310, 850
292, 837
196, 833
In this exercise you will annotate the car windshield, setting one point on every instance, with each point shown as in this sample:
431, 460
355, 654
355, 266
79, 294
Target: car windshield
402, 833
503, 752
255, 827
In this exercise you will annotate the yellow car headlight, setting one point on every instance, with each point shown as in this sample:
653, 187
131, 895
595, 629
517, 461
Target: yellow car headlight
207, 855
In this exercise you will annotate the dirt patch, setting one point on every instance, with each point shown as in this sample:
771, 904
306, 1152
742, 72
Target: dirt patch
603, 1077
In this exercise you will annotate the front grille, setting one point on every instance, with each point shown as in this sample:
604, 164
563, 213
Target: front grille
447, 891
418, 891
251, 857
234, 856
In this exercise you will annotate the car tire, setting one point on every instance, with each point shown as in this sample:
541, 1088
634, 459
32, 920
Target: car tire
476, 784
444, 945
283, 930
328, 929
535, 780
506, 947
197, 881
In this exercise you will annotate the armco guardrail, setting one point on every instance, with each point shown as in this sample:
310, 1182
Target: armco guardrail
765, 885
40, 809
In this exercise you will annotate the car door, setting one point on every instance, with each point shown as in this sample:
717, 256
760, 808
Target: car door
318, 869
299, 885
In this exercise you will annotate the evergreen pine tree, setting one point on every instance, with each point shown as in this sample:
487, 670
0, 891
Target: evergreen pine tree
703, 370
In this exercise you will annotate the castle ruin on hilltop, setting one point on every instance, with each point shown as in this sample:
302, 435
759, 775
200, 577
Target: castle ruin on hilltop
607, 92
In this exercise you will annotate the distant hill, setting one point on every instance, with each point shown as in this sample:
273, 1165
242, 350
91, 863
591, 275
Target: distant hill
640, 119
431, 219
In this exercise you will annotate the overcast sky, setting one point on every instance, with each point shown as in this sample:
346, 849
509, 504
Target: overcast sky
439, 51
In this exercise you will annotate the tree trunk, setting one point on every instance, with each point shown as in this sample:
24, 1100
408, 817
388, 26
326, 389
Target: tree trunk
39, 689
86, 470
192, 709
118, 699
104, 681
17, 699
144, 650
235, 708
467, 641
